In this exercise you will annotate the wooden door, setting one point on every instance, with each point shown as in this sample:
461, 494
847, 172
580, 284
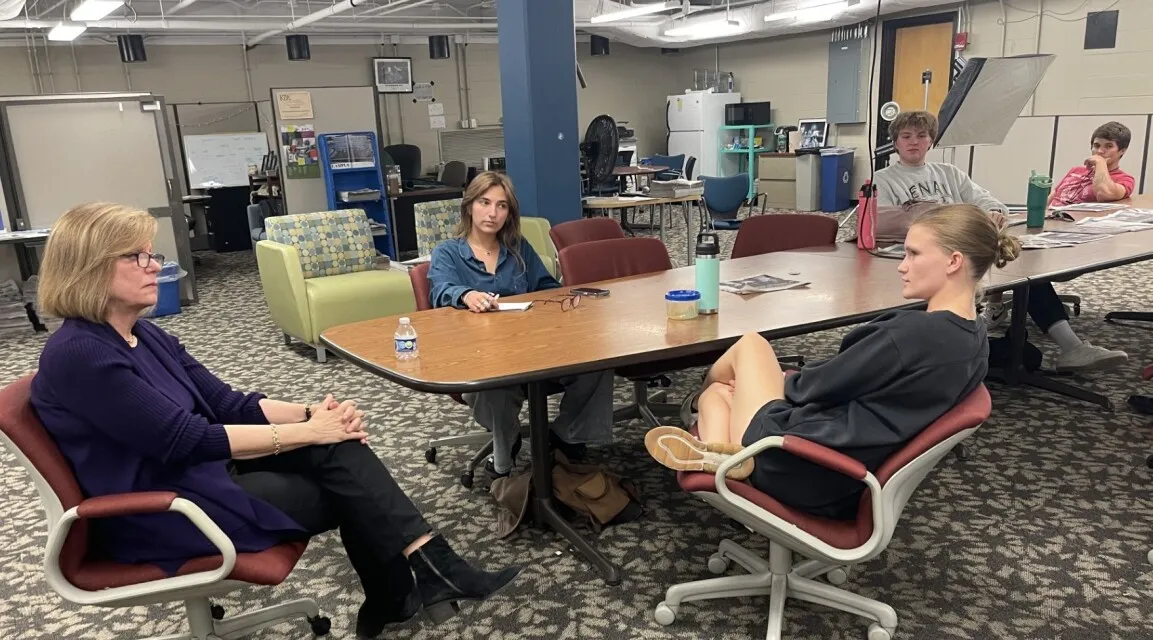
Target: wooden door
930, 47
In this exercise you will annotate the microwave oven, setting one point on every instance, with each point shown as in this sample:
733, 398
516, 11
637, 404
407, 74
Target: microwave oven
748, 113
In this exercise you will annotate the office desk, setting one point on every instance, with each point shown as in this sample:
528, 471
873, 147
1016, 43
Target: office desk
404, 217
36, 236
464, 352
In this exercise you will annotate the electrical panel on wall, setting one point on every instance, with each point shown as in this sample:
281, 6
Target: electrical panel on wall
844, 90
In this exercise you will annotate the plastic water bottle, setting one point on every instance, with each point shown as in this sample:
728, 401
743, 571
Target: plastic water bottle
405, 340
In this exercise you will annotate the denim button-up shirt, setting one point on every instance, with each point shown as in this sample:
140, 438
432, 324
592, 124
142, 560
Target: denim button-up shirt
455, 271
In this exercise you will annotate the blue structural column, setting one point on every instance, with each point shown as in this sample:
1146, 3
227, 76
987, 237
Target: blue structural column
539, 103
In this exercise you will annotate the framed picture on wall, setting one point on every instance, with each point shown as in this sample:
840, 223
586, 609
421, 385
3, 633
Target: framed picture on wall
392, 75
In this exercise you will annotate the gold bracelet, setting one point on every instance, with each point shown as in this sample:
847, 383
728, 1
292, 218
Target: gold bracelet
275, 441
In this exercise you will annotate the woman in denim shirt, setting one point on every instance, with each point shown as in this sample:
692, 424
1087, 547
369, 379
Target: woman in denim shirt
490, 258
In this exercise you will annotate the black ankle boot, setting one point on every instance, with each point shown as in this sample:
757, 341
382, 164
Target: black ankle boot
444, 578
394, 599
373, 616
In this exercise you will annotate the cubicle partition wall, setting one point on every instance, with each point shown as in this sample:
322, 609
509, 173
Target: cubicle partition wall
333, 110
60, 151
1048, 145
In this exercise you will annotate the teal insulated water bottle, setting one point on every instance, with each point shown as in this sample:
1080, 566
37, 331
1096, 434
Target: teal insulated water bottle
1039, 188
708, 261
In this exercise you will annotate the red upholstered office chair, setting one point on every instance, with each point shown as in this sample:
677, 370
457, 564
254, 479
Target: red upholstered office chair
618, 258
82, 579
418, 275
573, 232
782, 232
829, 545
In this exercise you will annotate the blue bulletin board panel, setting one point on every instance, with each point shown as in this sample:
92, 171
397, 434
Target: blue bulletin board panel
350, 166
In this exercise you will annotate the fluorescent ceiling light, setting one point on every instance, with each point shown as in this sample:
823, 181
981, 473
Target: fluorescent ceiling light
66, 31
811, 12
708, 29
632, 12
95, 9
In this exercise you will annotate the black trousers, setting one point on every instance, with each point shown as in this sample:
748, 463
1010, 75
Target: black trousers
1045, 307
346, 487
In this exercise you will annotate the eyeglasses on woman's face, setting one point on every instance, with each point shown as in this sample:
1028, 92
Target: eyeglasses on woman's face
143, 258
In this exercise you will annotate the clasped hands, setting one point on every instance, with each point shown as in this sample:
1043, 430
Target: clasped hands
334, 422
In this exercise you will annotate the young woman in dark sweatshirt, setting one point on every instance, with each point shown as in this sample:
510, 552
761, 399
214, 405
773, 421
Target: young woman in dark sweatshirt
891, 378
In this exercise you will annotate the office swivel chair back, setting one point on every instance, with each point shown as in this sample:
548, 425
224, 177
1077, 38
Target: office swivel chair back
723, 198
407, 157
829, 545
454, 174
86, 579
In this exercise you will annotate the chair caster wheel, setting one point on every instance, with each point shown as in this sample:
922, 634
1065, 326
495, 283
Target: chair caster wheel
321, 625
217, 612
430, 455
718, 564
877, 632
466, 480
666, 382
1150, 557
665, 615
1149, 462
838, 576
1076, 310
962, 452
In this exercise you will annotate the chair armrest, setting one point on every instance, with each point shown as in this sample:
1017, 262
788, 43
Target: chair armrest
125, 504
825, 457
283, 282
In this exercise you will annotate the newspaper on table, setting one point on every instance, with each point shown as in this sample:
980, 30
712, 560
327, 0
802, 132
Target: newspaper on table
1092, 206
763, 283
1057, 239
1118, 222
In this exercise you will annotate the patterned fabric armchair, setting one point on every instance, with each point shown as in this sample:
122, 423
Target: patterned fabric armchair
318, 271
436, 222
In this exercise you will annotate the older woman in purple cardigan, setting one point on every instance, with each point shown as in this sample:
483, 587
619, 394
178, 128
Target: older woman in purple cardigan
133, 411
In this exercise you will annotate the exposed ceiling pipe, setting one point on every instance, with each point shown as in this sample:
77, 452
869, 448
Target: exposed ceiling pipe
181, 5
391, 7
315, 16
240, 26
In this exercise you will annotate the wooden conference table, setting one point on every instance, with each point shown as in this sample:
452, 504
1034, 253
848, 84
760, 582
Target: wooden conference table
462, 351
1038, 266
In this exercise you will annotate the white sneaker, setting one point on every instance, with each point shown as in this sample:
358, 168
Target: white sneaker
1087, 356
996, 315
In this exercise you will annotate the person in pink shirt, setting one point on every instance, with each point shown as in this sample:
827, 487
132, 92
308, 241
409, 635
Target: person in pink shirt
1100, 178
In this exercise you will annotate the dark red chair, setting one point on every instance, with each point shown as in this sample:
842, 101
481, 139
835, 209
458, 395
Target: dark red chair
599, 260
79, 577
573, 232
782, 232
828, 545
418, 275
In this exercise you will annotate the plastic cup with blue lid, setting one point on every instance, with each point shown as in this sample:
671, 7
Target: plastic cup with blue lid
681, 304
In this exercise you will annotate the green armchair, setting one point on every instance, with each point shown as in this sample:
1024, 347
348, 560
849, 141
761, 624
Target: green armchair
318, 270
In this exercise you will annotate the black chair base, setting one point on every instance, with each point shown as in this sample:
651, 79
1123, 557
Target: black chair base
1133, 316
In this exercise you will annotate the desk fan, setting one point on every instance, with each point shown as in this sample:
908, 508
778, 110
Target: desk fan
599, 150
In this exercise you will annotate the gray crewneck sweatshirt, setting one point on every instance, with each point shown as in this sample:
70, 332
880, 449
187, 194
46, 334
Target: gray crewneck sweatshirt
931, 182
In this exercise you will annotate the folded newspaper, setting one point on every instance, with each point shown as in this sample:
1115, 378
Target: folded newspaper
1058, 239
763, 283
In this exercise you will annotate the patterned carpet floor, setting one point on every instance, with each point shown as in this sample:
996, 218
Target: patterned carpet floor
1041, 534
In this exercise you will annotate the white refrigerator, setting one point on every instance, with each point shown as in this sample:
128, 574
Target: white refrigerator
692, 123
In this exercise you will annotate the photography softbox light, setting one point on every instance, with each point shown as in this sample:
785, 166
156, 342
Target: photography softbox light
987, 97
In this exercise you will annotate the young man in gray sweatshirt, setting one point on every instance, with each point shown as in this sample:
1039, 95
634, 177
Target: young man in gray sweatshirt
911, 179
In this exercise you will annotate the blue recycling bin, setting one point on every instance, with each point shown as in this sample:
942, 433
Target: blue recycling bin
836, 179
168, 285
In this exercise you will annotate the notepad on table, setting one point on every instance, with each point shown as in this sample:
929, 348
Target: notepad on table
513, 306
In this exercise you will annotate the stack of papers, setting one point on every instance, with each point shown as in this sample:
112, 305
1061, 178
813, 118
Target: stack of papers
1092, 206
763, 283
1118, 222
13, 313
1056, 239
678, 188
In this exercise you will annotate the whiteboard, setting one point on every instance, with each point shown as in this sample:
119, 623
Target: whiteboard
222, 160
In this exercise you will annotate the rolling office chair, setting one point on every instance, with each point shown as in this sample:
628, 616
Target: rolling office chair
84, 579
783, 232
421, 290
829, 545
674, 163
454, 174
407, 157
1131, 316
598, 260
724, 198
